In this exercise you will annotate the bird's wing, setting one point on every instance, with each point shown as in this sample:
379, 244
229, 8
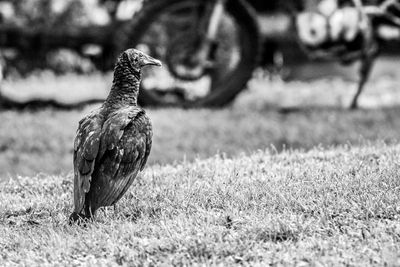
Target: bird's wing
124, 148
86, 148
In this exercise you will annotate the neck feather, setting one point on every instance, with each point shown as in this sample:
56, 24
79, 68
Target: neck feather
125, 89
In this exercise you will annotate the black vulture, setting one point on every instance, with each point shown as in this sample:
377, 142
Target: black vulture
113, 142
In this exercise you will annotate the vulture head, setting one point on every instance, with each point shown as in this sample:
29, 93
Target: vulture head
136, 59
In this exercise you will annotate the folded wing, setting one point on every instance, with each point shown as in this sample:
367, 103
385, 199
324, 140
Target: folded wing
124, 148
86, 148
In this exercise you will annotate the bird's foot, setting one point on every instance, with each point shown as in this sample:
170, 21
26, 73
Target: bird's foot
79, 219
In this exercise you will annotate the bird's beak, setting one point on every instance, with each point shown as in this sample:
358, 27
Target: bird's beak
148, 60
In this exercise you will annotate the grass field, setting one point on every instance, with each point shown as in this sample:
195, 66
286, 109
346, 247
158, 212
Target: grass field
41, 142
286, 176
337, 207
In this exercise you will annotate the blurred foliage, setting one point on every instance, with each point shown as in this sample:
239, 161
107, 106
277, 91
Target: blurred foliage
66, 60
43, 15
26, 17
53, 13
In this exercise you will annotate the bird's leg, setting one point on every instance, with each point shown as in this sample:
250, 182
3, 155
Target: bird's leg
365, 70
89, 213
79, 218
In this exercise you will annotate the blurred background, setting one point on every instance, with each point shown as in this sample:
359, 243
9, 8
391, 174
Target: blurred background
238, 75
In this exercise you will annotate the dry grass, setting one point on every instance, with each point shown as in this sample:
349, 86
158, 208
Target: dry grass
336, 207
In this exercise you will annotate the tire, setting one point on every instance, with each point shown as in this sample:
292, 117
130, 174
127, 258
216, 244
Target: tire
225, 89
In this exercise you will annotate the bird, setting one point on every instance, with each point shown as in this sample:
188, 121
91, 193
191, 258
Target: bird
113, 142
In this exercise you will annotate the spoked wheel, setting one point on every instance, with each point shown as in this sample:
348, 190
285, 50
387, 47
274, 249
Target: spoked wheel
197, 71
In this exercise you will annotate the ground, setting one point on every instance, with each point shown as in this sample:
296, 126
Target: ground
285, 176
336, 207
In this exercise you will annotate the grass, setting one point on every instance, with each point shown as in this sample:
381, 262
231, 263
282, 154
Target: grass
222, 187
335, 207
41, 142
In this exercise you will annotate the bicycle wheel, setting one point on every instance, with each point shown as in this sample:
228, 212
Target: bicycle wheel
174, 32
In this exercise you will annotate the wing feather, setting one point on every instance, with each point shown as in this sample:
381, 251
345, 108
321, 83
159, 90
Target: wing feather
124, 147
86, 147
149, 134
